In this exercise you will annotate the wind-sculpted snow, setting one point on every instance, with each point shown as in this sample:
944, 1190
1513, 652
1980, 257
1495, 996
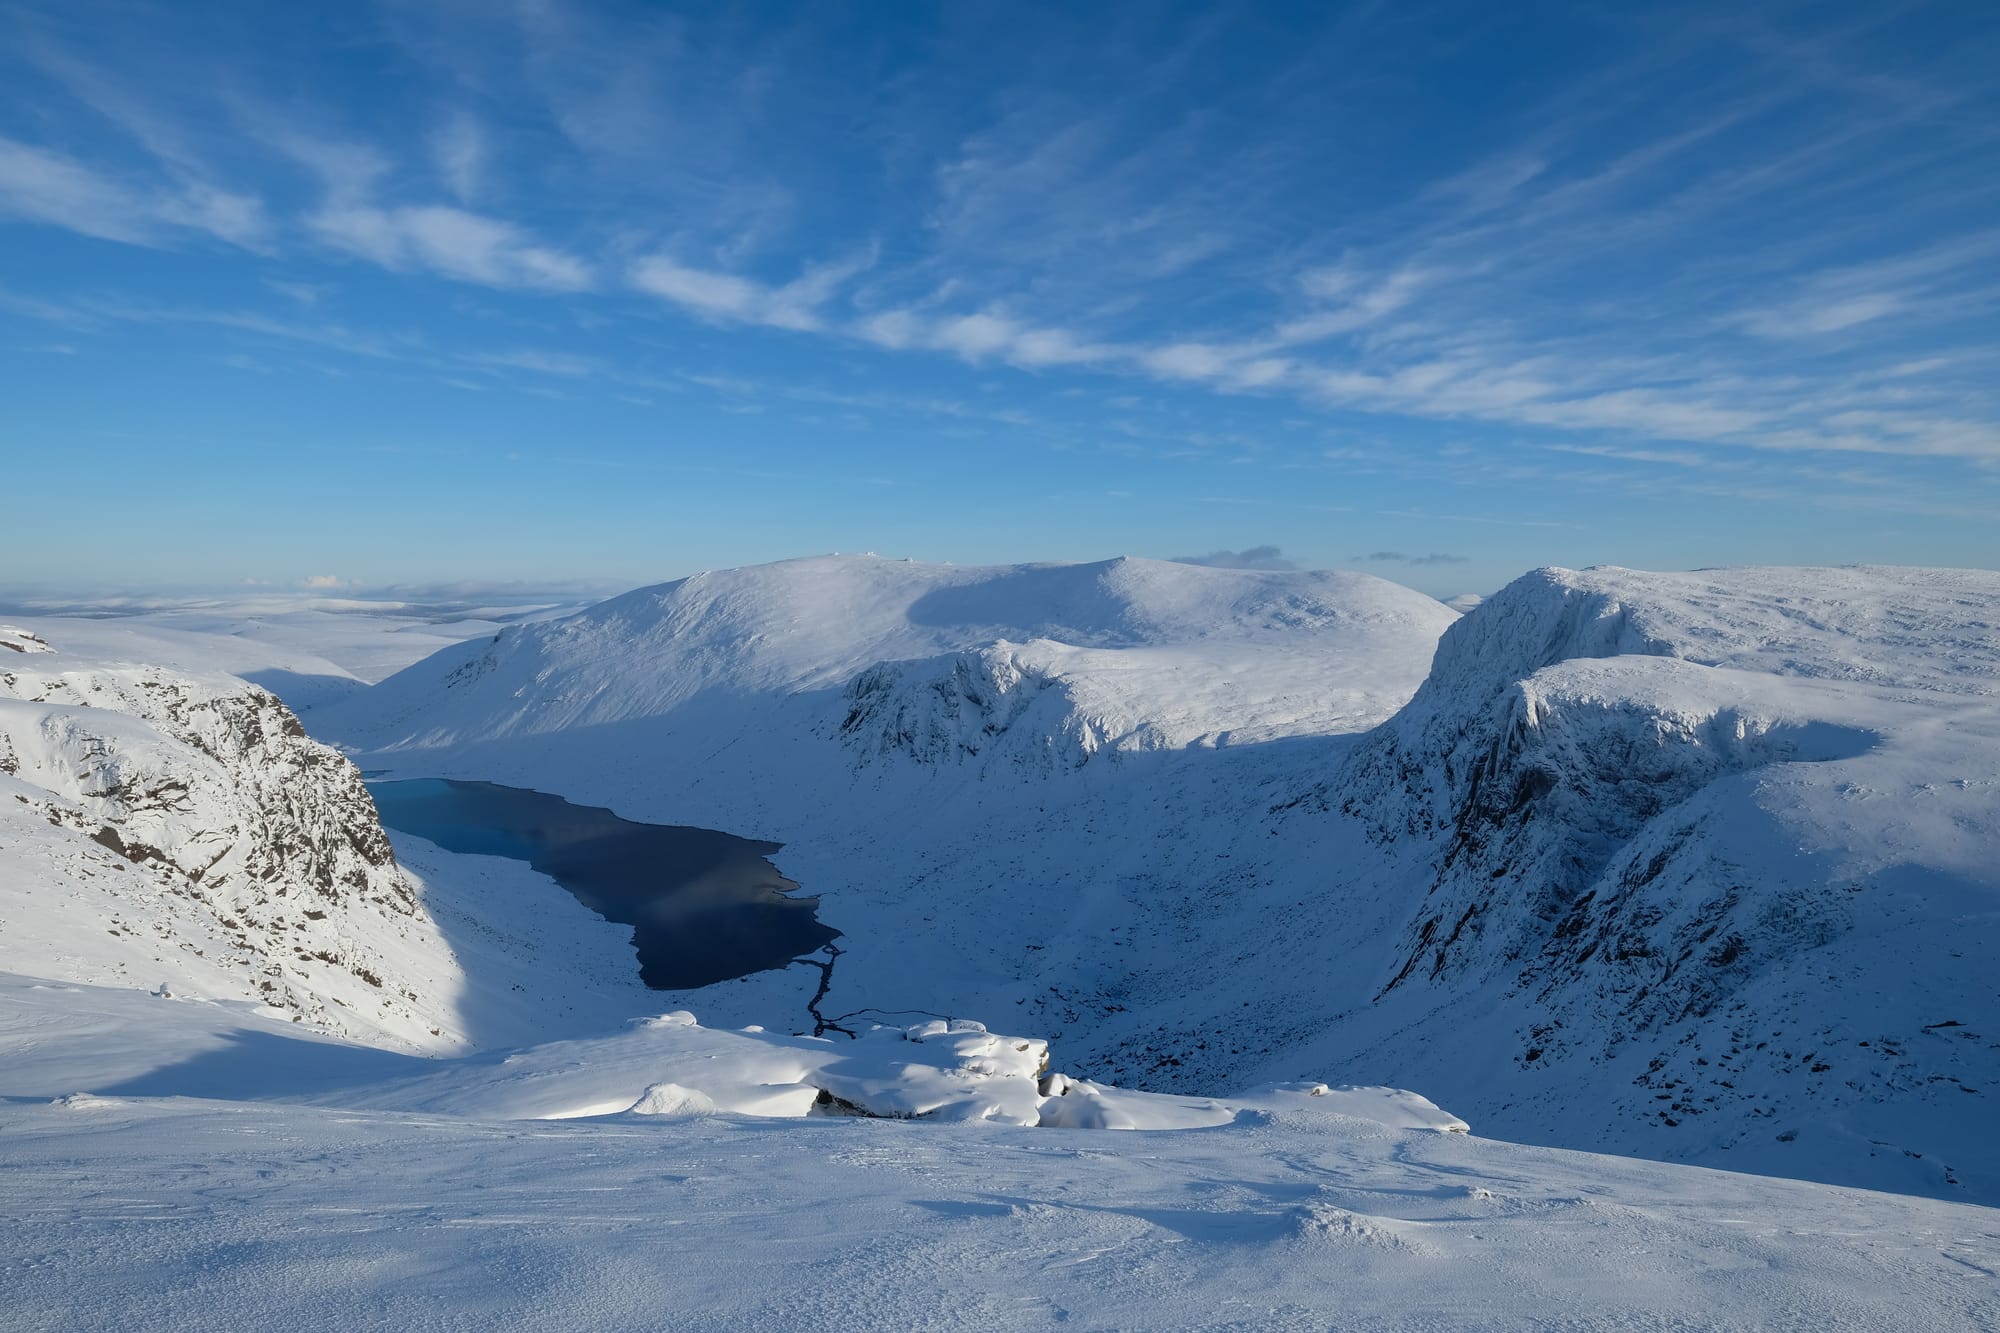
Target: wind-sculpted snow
940, 1070
179, 829
195, 1166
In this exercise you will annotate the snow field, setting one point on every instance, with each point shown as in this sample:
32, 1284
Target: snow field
1691, 866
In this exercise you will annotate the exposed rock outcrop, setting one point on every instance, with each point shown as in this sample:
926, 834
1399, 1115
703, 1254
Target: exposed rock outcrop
252, 858
1706, 845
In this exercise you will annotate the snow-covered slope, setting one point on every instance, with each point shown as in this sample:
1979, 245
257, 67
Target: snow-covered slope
192, 1191
1013, 788
1139, 654
301, 676
1694, 865
178, 829
1716, 855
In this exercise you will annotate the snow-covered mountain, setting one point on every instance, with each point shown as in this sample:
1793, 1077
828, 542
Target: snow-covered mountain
931, 659
1014, 788
1711, 857
1689, 865
1692, 866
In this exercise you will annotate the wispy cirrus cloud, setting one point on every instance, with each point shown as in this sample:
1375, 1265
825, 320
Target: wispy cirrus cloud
730, 298
1834, 314
429, 238
463, 156
179, 198
97, 314
980, 337
450, 242
39, 185
1676, 260
1925, 286
1394, 360
564, 364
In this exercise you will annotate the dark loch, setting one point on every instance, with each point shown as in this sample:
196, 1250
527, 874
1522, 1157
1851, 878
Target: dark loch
703, 906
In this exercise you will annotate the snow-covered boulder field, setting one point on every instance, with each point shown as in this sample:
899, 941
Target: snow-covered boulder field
178, 830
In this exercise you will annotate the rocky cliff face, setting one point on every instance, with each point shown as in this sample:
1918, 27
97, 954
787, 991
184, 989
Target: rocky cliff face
189, 816
1525, 795
1707, 845
964, 706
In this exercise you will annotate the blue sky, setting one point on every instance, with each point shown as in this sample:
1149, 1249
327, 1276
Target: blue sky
484, 291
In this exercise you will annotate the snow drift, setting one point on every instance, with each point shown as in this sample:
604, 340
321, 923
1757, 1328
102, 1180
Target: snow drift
938, 1070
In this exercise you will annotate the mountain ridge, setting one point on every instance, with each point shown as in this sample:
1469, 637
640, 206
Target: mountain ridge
1547, 883
1687, 865
817, 622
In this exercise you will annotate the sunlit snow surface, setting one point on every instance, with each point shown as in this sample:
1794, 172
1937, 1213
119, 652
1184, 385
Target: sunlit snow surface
1700, 866
1286, 1211
1129, 814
